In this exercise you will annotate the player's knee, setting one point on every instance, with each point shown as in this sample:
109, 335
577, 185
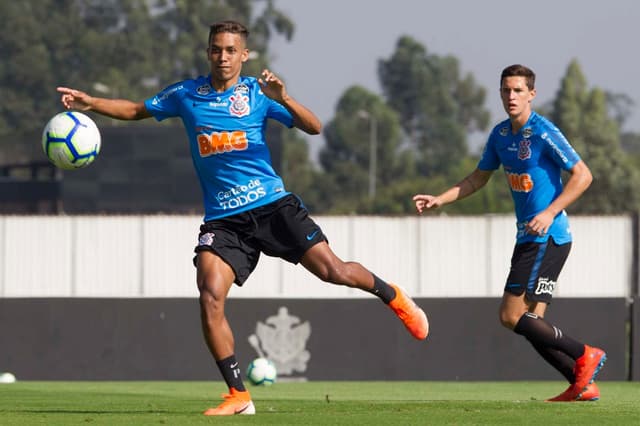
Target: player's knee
509, 319
209, 301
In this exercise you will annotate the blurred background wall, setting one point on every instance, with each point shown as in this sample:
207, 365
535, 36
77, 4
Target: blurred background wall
113, 297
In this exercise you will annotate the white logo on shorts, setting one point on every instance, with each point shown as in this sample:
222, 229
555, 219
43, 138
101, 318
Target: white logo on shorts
545, 285
206, 239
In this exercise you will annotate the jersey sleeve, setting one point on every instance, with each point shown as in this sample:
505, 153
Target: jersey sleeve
559, 148
489, 159
278, 112
166, 103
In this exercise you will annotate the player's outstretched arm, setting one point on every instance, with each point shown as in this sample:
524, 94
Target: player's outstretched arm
121, 109
303, 118
467, 186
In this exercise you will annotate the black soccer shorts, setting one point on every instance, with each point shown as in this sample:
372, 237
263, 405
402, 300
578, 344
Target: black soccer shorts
279, 229
535, 268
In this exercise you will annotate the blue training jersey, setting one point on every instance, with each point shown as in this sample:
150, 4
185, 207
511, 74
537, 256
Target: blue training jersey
533, 160
227, 141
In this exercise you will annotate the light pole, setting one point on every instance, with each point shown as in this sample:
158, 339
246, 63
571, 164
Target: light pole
373, 150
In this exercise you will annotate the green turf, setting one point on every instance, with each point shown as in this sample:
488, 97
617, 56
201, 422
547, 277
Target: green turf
315, 403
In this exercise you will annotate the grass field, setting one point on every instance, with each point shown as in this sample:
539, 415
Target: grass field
315, 403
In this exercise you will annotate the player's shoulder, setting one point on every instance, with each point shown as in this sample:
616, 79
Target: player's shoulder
541, 123
545, 130
248, 80
183, 87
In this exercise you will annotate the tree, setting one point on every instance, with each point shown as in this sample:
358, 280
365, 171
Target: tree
39, 38
115, 48
437, 106
347, 157
298, 172
631, 145
583, 116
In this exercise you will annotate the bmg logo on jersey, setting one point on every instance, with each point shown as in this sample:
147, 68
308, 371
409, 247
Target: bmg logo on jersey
520, 182
221, 142
545, 285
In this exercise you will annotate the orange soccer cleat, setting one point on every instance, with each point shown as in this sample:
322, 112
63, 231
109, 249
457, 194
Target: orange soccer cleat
588, 366
414, 318
236, 402
573, 393
590, 393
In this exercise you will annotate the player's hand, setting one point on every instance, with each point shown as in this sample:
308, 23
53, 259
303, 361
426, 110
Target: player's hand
540, 224
74, 99
272, 86
426, 202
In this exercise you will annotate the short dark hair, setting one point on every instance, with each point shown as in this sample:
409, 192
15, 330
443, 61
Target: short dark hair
228, 26
518, 70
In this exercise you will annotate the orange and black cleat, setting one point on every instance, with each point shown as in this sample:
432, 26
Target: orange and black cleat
236, 402
413, 318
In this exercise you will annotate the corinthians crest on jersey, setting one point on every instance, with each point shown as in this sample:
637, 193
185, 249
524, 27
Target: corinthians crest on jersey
240, 101
524, 150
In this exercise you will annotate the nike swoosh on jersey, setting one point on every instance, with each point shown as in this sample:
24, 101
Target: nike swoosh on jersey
311, 235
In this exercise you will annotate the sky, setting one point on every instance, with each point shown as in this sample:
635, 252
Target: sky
338, 43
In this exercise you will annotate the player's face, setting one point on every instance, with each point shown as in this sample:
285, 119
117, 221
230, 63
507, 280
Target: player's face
227, 52
516, 96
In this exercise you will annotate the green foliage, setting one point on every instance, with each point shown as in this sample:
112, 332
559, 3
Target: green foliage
630, 143
584, 116
438, 107
133, 48
422, 126
298, 172
114, 48
362, 123
631, 146
39, 38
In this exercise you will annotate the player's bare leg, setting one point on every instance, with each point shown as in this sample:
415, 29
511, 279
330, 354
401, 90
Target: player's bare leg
322, 262
513, 307
215, 278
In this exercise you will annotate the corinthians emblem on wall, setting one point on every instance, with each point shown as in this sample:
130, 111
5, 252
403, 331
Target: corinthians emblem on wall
283, 339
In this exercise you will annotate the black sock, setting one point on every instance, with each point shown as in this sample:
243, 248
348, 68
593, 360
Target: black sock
231, 373
383, 290
541, 333
558, 360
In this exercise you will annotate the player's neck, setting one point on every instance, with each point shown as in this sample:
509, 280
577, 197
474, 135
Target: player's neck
519, 120
223, 85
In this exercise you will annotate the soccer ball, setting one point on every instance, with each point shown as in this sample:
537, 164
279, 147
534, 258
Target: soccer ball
7, 378
261, 371
71, 140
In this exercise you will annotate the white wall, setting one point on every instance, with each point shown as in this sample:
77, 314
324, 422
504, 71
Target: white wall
151, 256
